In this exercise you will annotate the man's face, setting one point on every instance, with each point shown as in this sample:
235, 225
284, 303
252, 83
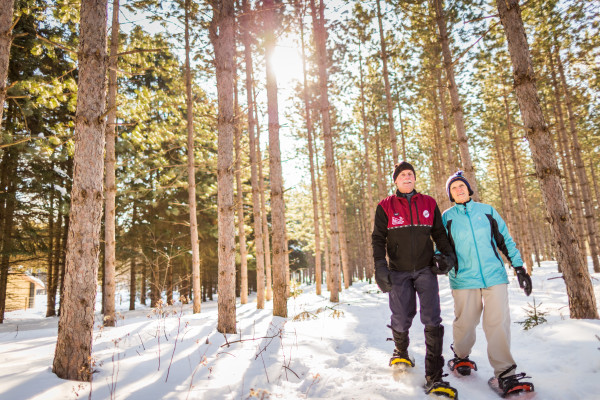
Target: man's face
460, 192
405, 181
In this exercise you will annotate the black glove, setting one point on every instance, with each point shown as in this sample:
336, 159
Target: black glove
382, 276
442, 263
524, 280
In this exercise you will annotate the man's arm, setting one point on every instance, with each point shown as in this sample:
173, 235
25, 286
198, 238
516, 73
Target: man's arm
439, 235
379, 236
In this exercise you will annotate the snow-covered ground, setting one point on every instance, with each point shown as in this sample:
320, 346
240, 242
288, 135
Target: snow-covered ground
323, 350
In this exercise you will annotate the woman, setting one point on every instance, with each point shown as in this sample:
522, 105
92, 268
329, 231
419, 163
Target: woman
479, 284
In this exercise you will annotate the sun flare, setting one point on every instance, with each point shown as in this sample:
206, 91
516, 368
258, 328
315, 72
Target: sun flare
287, 64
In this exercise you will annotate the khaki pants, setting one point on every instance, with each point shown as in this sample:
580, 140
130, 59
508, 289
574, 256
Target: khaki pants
468, 305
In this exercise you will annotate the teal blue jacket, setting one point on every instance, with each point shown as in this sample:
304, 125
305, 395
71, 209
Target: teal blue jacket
477, 232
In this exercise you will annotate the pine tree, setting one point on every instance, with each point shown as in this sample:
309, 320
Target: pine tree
223, 40
582, 302
74, 343
110, 181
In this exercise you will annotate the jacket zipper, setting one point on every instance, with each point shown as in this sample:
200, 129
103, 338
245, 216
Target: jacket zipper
476, 249
412, 237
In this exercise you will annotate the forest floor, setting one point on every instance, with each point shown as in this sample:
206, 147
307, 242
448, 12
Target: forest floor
322, 351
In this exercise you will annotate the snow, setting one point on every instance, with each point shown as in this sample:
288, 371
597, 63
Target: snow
338, 352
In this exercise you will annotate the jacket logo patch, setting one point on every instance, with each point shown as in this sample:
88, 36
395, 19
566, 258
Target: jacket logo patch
426, 213
397, 220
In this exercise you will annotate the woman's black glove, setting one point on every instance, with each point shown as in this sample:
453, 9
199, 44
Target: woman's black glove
382, 276
442, 264
524, 280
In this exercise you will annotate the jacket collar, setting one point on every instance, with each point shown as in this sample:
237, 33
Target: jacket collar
465, 207
405, 195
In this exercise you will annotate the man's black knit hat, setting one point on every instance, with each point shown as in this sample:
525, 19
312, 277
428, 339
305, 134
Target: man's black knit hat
401, 166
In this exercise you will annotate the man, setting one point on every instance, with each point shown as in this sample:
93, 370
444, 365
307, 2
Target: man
479, 284
404, 225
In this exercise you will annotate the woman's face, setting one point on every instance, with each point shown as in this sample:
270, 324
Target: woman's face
460, 192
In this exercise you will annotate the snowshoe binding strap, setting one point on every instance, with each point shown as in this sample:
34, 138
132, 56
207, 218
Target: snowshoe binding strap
442, 389
401, 361
462, 365
512, 384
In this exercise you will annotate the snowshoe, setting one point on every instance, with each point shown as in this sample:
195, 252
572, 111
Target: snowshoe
507, 386
401, 360
440, 388
462, 365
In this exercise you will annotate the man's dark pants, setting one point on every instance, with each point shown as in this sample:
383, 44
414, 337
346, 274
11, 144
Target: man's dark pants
403, 304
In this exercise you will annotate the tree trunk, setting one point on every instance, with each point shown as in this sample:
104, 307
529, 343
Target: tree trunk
132, 268
582, 302
57, 254
110, 180
313, 183
521, 204
50, 288
169, 280
320, 39
63, 263
381, 186
590, 222
256, 205
222, 36
240, 201
197, 298
132, 263
6, 25
343, 239
370, 206
457, 110
8, 188
326, 255
386, 80
452, 162
573, 196
72, 358
277, 203
402, 133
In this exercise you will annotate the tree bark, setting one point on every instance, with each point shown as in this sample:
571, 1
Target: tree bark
263, 201
277, 202
386, 80
573, 196
6, 25
320, 39
370, 206
313, 183
132, 262
240, 200
457, 109
9, 188
256, 205
76, 324
452, 162
582, 301
191, 169
326, 254
343, 239
50, 288
110, 180
222, 37
521, 204
590, 222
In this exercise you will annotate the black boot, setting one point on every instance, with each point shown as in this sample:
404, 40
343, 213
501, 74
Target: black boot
461, 365
434, 362
510, 383
400, 356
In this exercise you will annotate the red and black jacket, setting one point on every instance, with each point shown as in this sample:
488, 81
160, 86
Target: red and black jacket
404, 230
